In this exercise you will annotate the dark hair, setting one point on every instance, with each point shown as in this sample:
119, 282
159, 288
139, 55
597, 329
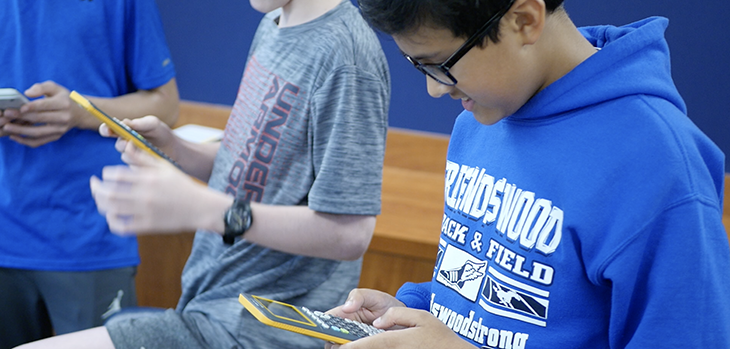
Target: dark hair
462, 17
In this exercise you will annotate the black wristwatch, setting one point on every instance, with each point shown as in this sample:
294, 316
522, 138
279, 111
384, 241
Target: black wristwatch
237, 220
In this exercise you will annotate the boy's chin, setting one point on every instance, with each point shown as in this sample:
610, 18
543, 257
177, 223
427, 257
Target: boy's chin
486, 117
266, 6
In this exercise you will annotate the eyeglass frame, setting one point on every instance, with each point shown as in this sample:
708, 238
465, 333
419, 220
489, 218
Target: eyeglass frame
446, 65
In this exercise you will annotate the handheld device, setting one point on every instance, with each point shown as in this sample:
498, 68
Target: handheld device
302, 320
119, 128
11, 98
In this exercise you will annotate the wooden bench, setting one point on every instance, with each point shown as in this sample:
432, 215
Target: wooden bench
406, 236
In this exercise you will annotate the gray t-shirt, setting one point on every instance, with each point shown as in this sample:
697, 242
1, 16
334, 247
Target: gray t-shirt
308, 128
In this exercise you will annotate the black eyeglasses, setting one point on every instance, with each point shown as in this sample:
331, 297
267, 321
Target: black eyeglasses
440, 72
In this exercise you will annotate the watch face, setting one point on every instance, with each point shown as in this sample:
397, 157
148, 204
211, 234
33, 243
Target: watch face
238, 219
235, 220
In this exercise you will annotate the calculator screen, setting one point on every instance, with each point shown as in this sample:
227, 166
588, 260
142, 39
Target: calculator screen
284, 310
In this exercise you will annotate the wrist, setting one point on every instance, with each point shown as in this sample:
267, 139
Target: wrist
216, 204
82, 119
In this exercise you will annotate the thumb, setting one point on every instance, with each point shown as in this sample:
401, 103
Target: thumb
144, 124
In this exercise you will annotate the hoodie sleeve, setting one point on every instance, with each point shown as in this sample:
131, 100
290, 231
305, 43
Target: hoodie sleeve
415, 295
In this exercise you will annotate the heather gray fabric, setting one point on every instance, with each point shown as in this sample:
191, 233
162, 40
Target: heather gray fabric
197, 329
154, 329
308, 128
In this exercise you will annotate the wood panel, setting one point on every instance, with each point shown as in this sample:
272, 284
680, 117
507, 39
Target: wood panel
412, 208
211, 115
387, 272
418, 151
158, 275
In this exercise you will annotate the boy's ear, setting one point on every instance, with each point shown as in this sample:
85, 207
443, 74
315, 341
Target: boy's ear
527, 19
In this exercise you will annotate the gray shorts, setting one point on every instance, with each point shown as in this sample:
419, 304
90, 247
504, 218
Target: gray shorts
220, 323
147, 328
168, 329
59, 302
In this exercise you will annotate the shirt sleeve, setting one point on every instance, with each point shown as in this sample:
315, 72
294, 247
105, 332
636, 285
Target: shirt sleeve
415, 295
149, 61
349, 125
670, 283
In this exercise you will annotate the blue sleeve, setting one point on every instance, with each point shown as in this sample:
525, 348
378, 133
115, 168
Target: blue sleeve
670, 285
147, 55
415, 295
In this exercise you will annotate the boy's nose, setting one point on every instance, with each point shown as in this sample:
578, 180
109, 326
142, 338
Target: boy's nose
435, 88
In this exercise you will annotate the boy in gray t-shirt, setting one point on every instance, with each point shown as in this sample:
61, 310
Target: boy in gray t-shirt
304, 144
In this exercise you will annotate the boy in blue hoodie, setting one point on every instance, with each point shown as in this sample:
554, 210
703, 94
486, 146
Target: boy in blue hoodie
582, 206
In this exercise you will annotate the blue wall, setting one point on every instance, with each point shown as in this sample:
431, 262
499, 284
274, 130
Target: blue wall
210, 40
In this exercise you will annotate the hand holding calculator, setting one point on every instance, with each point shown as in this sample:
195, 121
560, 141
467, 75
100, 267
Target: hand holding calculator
308, 322
120, 128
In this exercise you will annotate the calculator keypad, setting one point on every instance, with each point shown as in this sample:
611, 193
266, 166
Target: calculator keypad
342, 325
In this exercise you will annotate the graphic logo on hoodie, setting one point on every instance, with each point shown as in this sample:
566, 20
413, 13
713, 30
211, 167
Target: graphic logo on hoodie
461, 272
496, 240
509, 298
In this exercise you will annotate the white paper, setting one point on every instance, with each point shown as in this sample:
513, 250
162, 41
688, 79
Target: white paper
199, 133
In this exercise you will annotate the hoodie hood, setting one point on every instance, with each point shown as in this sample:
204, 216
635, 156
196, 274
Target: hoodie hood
633, 60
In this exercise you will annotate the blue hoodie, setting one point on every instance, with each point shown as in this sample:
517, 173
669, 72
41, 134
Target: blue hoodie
591, 218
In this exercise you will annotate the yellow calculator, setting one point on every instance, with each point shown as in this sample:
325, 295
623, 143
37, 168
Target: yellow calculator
308, 322
119, 128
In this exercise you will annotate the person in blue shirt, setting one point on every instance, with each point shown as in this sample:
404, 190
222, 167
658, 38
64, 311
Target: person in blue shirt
582, 207
61, 269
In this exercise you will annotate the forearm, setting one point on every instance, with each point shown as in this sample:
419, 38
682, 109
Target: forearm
162, 102
300, 230
195, 159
